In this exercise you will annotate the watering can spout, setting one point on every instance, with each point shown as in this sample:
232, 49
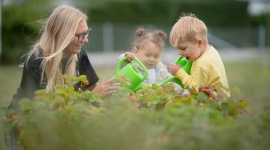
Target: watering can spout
172, 79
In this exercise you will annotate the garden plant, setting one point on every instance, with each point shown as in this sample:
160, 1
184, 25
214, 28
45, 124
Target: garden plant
151, 118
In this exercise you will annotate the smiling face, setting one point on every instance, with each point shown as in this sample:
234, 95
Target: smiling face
191, 50
74, 47
148, 54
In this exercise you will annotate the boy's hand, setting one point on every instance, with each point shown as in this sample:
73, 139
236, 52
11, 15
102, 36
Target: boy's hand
129, 56
173, 68
210, 91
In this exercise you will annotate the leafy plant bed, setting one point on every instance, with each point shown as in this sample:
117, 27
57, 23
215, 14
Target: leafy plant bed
151, 118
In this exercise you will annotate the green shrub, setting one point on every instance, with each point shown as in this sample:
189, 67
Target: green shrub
151, 118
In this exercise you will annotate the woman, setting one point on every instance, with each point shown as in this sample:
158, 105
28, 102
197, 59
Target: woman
60, 51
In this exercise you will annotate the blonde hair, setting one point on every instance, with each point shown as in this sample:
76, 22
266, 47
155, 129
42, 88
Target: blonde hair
57, 33
142, 36
188, 28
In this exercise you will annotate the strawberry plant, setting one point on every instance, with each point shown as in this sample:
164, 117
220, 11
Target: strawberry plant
150, 118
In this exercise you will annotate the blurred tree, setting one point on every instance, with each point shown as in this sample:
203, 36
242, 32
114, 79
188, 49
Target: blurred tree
19, 29
214, 13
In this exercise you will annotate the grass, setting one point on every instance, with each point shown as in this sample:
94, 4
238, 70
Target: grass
252, 77
10, 77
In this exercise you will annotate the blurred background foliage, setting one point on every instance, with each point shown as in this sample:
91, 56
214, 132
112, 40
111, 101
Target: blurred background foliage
167, 12
20, 27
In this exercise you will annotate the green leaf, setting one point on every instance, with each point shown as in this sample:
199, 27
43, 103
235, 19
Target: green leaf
202, 97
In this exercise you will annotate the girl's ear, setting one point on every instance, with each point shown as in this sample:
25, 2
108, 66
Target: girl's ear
135, 50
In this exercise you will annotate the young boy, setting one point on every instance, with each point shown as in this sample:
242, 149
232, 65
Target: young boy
189, 36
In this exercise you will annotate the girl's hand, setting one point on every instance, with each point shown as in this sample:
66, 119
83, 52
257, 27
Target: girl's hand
106, 87
173, 68
129, 56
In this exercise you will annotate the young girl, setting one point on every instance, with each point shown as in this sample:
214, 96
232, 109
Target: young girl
148, 47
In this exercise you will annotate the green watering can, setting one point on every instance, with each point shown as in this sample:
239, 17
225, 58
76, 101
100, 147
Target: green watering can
183, 62
130, 72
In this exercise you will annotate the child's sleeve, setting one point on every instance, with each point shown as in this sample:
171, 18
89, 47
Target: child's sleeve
120, 57
192, 82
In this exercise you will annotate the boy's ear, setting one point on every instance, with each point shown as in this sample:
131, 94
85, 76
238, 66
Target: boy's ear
200, 41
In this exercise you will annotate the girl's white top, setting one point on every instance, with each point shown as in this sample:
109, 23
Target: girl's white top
152, 75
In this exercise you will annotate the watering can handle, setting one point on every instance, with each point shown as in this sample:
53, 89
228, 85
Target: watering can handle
185, 64
178, 60
145, 70
135, 59
120, 62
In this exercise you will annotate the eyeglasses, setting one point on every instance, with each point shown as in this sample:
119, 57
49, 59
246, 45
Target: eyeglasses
82, 35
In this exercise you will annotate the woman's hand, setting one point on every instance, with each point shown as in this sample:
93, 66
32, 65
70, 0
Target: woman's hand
106, 87
173, 68
129, 56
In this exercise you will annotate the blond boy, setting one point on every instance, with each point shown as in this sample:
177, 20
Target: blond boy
189, 36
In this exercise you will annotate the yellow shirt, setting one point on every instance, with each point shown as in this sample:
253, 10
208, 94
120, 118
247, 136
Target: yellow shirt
207, 70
